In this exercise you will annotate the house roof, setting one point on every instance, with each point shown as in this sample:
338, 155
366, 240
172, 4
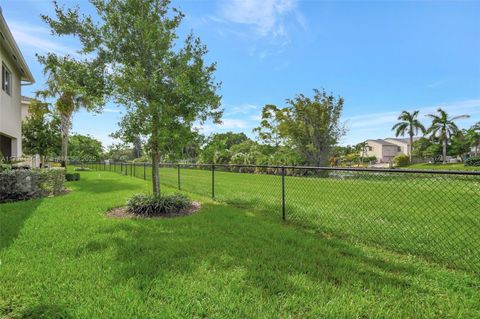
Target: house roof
7, 41
26, 99
379, 141
403, 140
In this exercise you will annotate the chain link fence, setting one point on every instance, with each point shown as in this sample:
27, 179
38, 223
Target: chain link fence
433, 214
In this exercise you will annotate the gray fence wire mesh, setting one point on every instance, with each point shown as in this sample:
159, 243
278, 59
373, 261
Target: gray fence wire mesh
433, 214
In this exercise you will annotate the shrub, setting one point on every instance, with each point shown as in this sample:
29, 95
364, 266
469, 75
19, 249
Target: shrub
27, 184
473, 161
152, 205
81, 169
52, 181
72, 177
5, 167
401, 160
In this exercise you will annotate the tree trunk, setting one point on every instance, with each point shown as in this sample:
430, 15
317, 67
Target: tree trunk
444, 150
65, 126
156, 173
155, 149
410, 149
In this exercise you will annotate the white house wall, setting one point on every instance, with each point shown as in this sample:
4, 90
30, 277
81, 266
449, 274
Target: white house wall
10, 109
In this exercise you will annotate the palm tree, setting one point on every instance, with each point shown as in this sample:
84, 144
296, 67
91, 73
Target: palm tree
444, 127
73, 85
410, 125
473, 136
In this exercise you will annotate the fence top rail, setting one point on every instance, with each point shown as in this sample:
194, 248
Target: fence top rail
319, 168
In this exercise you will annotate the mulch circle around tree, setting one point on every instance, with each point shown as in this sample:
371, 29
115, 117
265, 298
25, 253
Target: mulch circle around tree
121, 212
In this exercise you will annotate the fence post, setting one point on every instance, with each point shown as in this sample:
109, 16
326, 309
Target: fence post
145, 171
213, 181
283, 193
134, 170
178, 176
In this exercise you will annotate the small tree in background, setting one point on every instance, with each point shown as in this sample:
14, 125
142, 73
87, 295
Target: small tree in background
473, 137
85, 148
443, 127
408, 125
268, 132
361, 149
41, 132
165, 85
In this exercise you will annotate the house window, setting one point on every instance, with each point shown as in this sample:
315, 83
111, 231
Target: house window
370, 148
6, 80
399, 149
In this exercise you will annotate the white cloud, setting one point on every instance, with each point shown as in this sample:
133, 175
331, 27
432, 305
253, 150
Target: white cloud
108, 110
240, 109
38, 38
233, 124
266, 17
228, 124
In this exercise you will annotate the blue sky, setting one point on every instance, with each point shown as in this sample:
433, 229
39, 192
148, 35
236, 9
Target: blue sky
381, 56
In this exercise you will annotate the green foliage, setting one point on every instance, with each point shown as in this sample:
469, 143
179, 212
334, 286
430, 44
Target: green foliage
310, 126
5, 167
72, 177
74, 85
427, 149
217, 147
401, 160
473, 161
85, 148
27, 184
460, 145
41, 135
157, 205
119, 153
269, 130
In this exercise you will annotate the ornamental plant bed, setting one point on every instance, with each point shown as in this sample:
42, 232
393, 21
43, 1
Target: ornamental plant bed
122, 212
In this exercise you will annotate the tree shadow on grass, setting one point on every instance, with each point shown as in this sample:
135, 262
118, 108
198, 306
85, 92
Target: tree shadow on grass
269, 254
106, 185
13, 217
41, 311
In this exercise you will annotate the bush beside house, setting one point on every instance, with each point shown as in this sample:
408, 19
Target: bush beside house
401, 160
473, 161
26, 184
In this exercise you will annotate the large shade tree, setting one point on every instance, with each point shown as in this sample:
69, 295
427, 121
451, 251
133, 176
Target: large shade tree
444, 127
164, 82
310, 125
408, 125
71, 85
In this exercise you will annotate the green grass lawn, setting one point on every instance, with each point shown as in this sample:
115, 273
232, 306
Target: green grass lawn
62, 258
434, 216
447, 167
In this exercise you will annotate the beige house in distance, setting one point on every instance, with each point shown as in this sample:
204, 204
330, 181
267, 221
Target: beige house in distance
385, 150
15, 73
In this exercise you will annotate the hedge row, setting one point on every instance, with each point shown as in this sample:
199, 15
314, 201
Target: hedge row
27, 184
